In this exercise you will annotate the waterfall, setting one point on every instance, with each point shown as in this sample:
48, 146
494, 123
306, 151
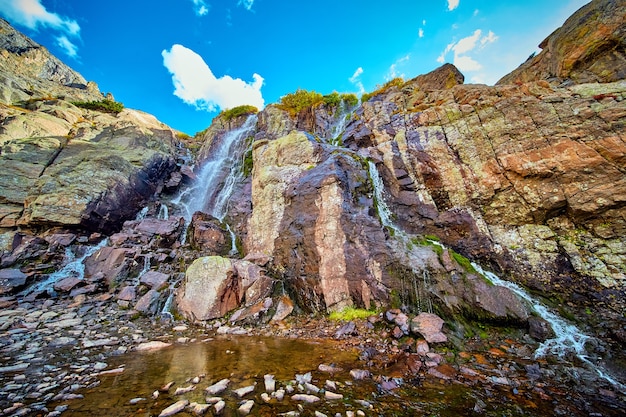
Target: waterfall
219, 175
340, 124
402, 244
383, 210
163, 213
142, 214
74, 267
568, 338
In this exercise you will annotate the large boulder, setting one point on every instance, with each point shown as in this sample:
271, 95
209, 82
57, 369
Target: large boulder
210, 290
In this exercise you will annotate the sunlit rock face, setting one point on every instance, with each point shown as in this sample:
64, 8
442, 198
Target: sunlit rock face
589, 47
64, 165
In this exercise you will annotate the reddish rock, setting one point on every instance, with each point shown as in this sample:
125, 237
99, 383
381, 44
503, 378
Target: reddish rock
111, 263
147, 304
421, 347
155, 280
429, 326
60, 239
206, 234
167, 231
444, 371
66, 284
11, 279
260, 289
127, 293
283, 309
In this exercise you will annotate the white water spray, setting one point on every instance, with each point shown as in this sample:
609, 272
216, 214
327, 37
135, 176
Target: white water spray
221, 173
74, 267
218, 175
568, 338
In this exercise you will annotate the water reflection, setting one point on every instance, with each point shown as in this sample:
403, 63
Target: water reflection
243, 360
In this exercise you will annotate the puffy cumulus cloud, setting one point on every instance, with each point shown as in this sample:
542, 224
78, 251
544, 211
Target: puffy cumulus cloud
246, 4
201, 7
356, 80
453, 4
195, 83
461, 50
33, 15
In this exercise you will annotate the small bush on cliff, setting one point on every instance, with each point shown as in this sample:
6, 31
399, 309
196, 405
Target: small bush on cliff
294, 103
396, 82
230, 114
107, 106
334, 99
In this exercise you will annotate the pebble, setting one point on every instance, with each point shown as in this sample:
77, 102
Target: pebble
219, 406
175, 408
245, 408
154, 345
200, 409
305, 398
184, 390
270, 383
329, 395
359, 374
242, 392
217, 387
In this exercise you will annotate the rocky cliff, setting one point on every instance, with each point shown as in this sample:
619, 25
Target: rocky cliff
526, 178
63, 164
384, 203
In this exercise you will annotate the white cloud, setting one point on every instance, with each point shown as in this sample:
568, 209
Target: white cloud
467, 44
201, 7
393, 69
65, 44
420, 33
356, 80
464, 47
195, 83
490, 38
247, 4
32, 14
453, 4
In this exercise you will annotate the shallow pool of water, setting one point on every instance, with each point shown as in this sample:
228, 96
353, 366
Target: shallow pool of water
245, 360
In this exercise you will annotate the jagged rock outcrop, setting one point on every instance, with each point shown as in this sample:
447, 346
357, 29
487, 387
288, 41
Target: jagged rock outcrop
589, 47
65, 165
28, 70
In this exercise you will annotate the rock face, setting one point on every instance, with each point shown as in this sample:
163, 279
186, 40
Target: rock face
64, 165
27, 69
589, 47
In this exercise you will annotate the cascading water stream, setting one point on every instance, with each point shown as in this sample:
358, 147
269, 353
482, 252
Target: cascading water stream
218, 177
401, 239
568, 338
74, 267
340, 124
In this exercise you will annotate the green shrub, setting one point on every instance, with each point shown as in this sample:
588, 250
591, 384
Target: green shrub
396, 82
106, 106
294, 103
351, 313
463, 262
230, 114
350, 100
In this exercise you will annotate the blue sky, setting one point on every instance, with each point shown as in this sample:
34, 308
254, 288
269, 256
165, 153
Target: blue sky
185, 60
